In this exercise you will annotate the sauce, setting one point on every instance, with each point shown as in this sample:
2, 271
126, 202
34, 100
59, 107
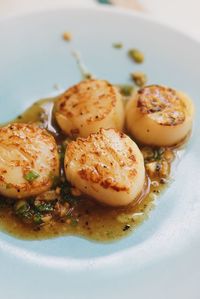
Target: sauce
86, 217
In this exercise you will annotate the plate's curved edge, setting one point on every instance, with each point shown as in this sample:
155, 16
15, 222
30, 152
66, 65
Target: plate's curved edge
90, 263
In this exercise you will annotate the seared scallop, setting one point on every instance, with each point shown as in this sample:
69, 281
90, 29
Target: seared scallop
88, 106
28, 160
158, 115
107, 166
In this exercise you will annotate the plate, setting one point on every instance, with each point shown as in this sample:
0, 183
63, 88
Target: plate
161, 259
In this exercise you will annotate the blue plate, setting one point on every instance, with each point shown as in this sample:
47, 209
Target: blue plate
161, 259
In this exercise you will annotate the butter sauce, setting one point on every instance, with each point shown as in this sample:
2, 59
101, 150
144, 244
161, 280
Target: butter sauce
93, 221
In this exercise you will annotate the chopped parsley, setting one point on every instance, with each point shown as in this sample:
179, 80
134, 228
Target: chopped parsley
22, 210
44, 207
31, 176
65, 193
37, 219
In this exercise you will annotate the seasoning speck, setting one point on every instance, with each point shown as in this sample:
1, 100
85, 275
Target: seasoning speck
117, 45
88, 76
67, 36
136, 55
126, 90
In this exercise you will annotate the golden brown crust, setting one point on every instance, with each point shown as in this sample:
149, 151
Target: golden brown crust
22, 147
100, 160
77, 100
162, 104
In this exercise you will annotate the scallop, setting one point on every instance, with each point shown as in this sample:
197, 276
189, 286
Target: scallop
160, 116
108, 166
88, 106
28, 160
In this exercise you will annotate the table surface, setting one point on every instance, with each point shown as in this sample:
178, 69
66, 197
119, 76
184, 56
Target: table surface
181, 14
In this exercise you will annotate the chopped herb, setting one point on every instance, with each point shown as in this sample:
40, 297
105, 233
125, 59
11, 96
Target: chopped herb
31, 176
21, 206
126, 90
65, 193
151, 155
37, 219
136, 55
139, 78
117, 45
44, 207
22, 210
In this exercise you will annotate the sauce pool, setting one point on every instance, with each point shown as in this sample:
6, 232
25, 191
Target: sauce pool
93, 221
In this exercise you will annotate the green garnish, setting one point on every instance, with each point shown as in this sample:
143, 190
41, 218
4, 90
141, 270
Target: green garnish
65, 193
139, 78
22, 210
158, 152
31, 176
21, 205
37, 219
44, 207
117, 45
136, 55
126, 90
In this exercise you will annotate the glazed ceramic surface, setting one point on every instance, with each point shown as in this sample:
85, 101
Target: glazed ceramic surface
159, 260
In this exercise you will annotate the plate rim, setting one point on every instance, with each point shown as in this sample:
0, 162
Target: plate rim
109, 10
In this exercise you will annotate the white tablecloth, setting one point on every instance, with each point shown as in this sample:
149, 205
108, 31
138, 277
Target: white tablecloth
181, 14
